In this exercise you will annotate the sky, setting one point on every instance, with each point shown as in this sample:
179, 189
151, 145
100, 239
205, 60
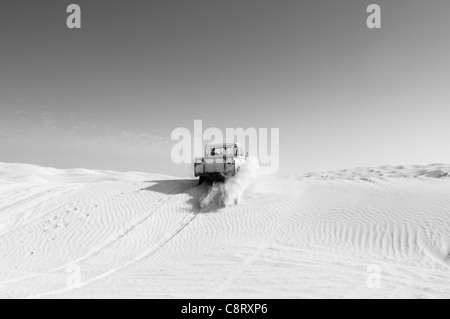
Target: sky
108, 96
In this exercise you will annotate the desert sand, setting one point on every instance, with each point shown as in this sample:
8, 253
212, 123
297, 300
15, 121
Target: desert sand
379, 232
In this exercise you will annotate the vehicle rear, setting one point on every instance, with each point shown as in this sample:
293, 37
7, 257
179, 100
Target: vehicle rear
220, 161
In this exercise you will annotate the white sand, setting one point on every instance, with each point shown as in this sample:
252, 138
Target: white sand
83, 234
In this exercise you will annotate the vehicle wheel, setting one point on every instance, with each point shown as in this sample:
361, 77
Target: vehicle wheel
201, 180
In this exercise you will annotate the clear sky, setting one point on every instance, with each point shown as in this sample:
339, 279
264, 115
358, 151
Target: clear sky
109, 95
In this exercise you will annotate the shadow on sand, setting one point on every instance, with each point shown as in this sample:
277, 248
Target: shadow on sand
171, 186
188, 187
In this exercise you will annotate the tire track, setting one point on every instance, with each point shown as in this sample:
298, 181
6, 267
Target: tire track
149, 253
9, 221
28, 199
77, 192
109, 242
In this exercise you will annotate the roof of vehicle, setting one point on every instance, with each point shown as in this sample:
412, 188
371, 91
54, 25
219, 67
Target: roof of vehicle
226, 145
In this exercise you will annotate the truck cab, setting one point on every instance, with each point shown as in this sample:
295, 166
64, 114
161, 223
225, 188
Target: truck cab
219, 162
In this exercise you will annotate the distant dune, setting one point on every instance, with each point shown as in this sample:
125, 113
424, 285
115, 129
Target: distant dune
379, 232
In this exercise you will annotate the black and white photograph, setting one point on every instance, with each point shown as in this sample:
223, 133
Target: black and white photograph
224, 153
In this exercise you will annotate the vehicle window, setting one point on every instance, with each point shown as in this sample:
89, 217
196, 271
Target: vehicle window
216, 151
229, 151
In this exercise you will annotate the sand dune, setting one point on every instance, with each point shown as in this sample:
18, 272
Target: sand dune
366, 233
